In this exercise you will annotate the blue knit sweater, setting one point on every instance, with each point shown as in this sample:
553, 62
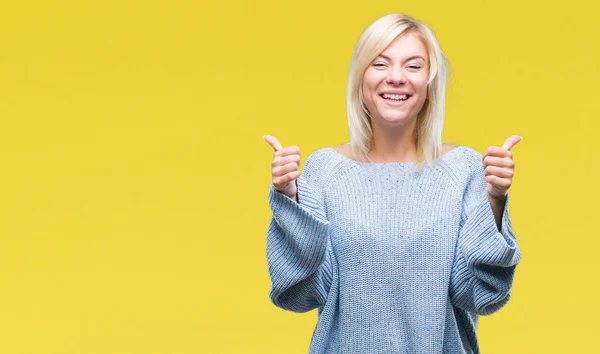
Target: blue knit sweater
395, 260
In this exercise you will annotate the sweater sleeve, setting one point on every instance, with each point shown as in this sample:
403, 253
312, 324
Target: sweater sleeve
486, 258
299, 255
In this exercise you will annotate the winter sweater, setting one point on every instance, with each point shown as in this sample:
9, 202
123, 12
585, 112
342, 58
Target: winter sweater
395, 260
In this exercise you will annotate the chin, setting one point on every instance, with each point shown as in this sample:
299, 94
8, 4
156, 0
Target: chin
395, 119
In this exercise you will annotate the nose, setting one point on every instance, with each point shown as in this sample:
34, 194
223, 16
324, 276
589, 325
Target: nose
396, 76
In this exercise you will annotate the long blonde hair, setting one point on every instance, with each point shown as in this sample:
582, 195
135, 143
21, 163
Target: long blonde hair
430, 119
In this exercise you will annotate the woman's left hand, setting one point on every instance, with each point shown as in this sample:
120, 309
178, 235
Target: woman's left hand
500, 168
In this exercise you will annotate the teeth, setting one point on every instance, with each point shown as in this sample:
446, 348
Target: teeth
395, 97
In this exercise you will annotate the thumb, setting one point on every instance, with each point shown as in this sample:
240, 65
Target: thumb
512, 141
271, 140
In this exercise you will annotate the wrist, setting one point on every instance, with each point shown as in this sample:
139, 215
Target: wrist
497, 198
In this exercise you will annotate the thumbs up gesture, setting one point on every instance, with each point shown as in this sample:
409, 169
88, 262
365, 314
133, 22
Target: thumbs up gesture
284, 168
500, 167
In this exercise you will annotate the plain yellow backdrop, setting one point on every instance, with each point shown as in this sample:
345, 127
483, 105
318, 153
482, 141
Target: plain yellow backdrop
134, 179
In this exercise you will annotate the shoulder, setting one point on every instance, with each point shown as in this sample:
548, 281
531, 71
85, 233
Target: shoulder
319, 156
461, 165
326, 164
466, 164
468, 156
317, 163
447, 147
345, 150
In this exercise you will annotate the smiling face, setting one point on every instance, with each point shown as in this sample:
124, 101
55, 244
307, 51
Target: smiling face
395, 83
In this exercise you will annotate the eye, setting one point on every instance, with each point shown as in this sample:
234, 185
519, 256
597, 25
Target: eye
415, 67
378, 65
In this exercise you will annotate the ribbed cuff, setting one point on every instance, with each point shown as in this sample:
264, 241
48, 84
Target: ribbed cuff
297, 242
482, 243
307, 197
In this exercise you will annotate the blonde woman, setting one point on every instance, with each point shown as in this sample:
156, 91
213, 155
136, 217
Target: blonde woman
399, 240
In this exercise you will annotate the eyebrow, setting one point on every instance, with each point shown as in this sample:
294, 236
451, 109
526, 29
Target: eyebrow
407, 59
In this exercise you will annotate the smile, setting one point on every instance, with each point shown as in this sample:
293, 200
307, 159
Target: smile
395, 100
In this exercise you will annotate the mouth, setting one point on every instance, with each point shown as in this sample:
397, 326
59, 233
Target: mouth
395, 100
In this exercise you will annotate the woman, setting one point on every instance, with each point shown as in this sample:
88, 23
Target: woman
399, 241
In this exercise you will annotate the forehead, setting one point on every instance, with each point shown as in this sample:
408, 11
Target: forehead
405, 47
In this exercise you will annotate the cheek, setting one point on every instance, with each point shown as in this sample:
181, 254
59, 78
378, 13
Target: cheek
423, 84
420, 86
422, 89
368, 94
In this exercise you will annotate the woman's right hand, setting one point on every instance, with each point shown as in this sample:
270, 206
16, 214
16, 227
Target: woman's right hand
284, 168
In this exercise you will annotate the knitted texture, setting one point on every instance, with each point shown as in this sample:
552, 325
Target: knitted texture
395, 260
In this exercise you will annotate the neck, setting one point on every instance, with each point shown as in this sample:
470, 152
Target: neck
394, 144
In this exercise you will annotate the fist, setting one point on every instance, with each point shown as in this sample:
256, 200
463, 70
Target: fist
284, 168
500, 167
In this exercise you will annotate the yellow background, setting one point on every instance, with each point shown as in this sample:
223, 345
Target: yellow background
133, 185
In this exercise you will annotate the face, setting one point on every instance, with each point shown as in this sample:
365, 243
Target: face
395, 83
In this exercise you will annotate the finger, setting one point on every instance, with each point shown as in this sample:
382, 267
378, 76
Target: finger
278, 171
280, 181
271, 140
497, 152
499, 182
498, 161
282, 160
290, 150
499, 172
511, 142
